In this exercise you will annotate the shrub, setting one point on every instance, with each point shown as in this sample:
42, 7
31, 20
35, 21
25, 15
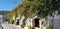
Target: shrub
29, 27
49, 27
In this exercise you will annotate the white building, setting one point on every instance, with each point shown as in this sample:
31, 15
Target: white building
3, 16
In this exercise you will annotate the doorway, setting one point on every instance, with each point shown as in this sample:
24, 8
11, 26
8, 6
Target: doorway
17, 23
36, 20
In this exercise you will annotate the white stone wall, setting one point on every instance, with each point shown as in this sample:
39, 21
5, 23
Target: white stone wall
13, 17
23, 17
29, 21
18, 17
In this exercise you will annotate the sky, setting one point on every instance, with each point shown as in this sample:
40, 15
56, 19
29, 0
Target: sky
9, 5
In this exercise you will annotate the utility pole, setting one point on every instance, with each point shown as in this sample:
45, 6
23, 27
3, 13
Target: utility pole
53, 20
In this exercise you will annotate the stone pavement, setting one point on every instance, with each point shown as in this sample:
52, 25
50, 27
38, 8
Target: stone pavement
0, 26
9, 26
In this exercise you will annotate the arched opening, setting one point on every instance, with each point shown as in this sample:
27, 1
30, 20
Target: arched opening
36, 22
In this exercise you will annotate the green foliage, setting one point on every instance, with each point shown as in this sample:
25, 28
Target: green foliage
41, 8
26, 14
11, 21
49, 27
42, 23
29, 27
8, 20
9, 15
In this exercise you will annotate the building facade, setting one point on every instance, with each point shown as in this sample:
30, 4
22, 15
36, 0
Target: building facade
3, 16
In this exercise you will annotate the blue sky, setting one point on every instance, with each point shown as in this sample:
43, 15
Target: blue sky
9, 5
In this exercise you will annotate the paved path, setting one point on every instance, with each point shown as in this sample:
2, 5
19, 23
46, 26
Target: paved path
0, 26
9, 26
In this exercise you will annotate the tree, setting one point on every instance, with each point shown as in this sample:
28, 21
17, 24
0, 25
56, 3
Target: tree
9, 15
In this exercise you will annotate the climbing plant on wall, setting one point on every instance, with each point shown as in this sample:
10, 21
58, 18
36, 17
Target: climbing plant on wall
41, 8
